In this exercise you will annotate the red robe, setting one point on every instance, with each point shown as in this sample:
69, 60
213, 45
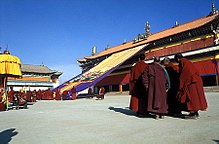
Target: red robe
73, 95
28, 96
137, 92
34, 96
173, 105
49, 95
22, 99
10, 96
2, 105
90, 91
39, 95
191, 91
154, 80
64, 95
58, 95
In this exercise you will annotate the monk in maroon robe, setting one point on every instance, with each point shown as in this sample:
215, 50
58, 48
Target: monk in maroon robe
155, 82
49, 95
191, 92
28, 96
10, 95
73, 95
101, 93
2, 102
58, 95
22, 99
137, 91
64, 95
90, 91
34, 96
39, 95
174, 107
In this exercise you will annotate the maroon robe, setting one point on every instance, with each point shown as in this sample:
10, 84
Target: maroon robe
101, 93
39, 95
28, 96
10, 96
21, 98
154, 80
191, 91
49, 95
2, 105
73, 95
137, 92
58, 95
174, 107
90, 91
34, 96
64, 95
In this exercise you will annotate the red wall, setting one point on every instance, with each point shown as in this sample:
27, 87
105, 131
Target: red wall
206, 67
182, 48
114, 80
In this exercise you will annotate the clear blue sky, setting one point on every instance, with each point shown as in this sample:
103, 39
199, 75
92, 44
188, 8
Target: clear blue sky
57, 32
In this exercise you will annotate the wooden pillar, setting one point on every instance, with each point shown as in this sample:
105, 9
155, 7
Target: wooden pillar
110, 88
120, 87
217, 80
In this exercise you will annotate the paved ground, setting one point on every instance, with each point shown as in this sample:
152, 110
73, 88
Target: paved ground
90, 121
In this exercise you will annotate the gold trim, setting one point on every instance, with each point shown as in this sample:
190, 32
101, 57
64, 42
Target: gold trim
182, 42
113, 74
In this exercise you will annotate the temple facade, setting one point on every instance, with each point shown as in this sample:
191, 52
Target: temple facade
197, 40
35, 77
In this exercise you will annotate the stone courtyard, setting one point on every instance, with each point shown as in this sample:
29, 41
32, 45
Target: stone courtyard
91, 121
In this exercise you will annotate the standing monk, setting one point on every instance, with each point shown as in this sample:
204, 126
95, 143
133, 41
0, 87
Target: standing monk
191, 92
156, 83
173, 105
73, 95
39, 94
57, 95
137, 91
10, 95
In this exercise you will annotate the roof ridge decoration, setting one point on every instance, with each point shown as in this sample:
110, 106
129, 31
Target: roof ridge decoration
158, 35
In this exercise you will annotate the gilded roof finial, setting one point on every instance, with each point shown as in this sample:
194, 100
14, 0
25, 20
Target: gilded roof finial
213, 10
147, 27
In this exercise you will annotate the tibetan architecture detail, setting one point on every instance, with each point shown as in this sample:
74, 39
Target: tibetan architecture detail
197, 40
35, 77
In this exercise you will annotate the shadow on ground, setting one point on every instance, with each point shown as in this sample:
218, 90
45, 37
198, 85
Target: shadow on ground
6, 135
217, 141
123, 111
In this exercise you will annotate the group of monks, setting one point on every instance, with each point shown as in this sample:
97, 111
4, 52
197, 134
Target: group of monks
162, 88
21, 98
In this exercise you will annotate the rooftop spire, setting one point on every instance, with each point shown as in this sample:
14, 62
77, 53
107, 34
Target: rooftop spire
213, 10
147, 27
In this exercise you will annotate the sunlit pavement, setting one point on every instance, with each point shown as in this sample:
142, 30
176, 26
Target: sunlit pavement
91, 121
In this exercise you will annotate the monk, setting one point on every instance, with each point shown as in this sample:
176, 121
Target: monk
2, 101
174, 108
10, 95
156, 83
191, 92
39, 94
28, 96
90, 92
73, 93
137, 91
21, 99
64, 95
101, 93
34, 96
48, 94
57, 95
